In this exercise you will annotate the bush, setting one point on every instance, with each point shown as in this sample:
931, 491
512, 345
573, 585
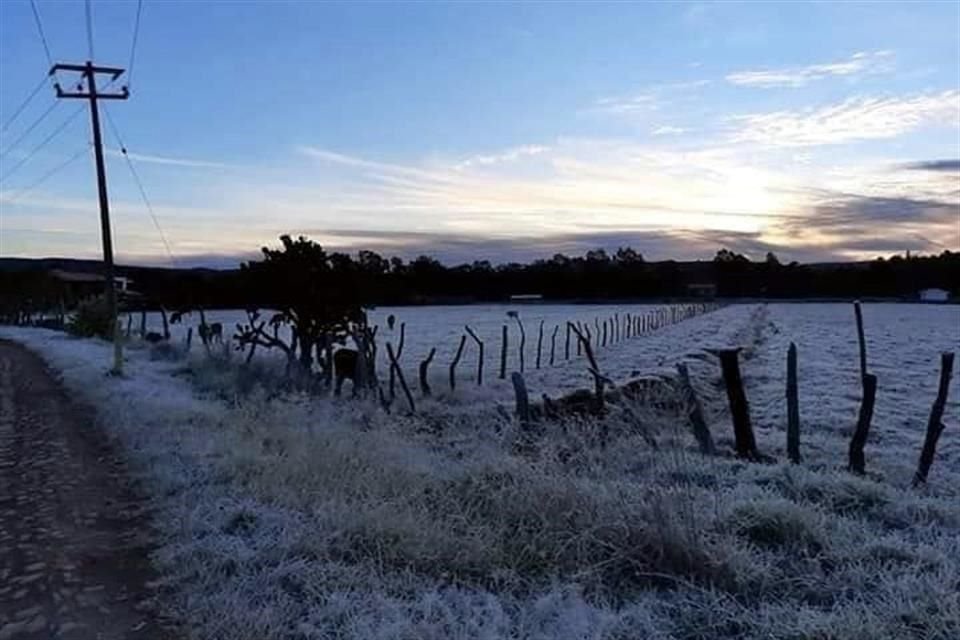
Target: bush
92, 318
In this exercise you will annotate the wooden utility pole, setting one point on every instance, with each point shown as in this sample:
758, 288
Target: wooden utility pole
89, 71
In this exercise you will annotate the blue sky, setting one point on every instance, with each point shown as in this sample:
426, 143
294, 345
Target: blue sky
494, 130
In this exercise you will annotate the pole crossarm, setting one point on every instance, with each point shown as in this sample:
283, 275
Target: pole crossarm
116, 72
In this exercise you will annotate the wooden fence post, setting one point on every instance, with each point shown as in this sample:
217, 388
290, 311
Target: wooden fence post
424, 383
553, 343
539, 342
190, 339
598, 380
566, 344
793, 406
746, 444
935, 424
523, 401
480, 357
403, 383
456, 359
143, 323
503, 353
604, 343
861, 339
523, 340
859, 439
695, 412
403, 326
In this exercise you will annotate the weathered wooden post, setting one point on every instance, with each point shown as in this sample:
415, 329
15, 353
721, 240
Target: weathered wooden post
394, 365
539, 342
424, 383
566, 344
522, 399
129, 324
861, 339
190, 339
166, 324
579, 343
479, 357
746, 444
695, 412
616, 327
503, 353
456, 359
598, 380
596, 325
793, 406
857, 461
143, 323
553, 343
403, 326
523, 336
935, 424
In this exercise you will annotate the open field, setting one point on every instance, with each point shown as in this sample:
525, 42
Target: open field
296, 517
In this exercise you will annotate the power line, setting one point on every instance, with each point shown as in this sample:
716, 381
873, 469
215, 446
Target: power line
133, 44
29, 129
43, 38
47, 175
53, 134
23, 105
89, 11
136, 179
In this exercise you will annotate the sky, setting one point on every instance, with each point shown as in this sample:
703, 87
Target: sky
497, 131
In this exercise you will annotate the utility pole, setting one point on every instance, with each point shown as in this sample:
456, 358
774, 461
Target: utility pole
90, 72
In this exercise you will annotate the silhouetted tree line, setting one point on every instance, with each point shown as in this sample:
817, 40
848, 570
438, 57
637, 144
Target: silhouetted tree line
340, 279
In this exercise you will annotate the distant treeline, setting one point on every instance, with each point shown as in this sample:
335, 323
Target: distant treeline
594, 276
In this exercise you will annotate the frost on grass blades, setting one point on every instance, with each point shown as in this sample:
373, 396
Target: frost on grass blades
286, 515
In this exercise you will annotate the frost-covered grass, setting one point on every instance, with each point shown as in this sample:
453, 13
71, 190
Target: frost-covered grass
284, 516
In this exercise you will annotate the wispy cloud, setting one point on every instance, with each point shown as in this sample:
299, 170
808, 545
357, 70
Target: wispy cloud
646, 100
667, 130
509, 155
858, 64
173, 161
949, 166
854, 119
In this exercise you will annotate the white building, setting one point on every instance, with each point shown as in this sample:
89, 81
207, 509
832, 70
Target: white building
934, 295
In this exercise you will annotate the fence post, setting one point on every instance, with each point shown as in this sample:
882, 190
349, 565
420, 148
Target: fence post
746, 444
399, 353
539, 342
503, 353
861, 339
695, 412
394, 365
793, 406
935, 424
480, 357
553, 343
522, 400
424, 384
456, 359
566, 344
859, 439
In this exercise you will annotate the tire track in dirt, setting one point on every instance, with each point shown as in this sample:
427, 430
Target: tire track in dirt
73, 538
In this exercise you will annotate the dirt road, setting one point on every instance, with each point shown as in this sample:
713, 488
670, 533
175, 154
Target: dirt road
72, 534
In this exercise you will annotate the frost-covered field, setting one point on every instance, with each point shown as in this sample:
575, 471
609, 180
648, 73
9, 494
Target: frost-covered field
300, 518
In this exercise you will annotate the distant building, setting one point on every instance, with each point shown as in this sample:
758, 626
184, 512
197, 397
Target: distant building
78, 284
934, 295
526, 297
702, 290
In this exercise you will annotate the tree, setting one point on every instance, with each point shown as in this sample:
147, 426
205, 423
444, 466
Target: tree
627, 256
316, 294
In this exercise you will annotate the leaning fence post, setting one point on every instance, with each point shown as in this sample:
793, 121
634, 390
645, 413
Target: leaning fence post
503, 353
399, 353
456, 359
189, 337
566, 344
539, 342
860, 339
746, 444
480, 357
523, 401
695, 412
859, 439
793, 407
604, 339
424, 384
935, 424
394, 365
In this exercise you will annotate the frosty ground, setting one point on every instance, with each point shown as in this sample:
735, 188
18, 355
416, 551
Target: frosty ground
285, 516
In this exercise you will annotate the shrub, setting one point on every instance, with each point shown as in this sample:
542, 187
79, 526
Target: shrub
92, 318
